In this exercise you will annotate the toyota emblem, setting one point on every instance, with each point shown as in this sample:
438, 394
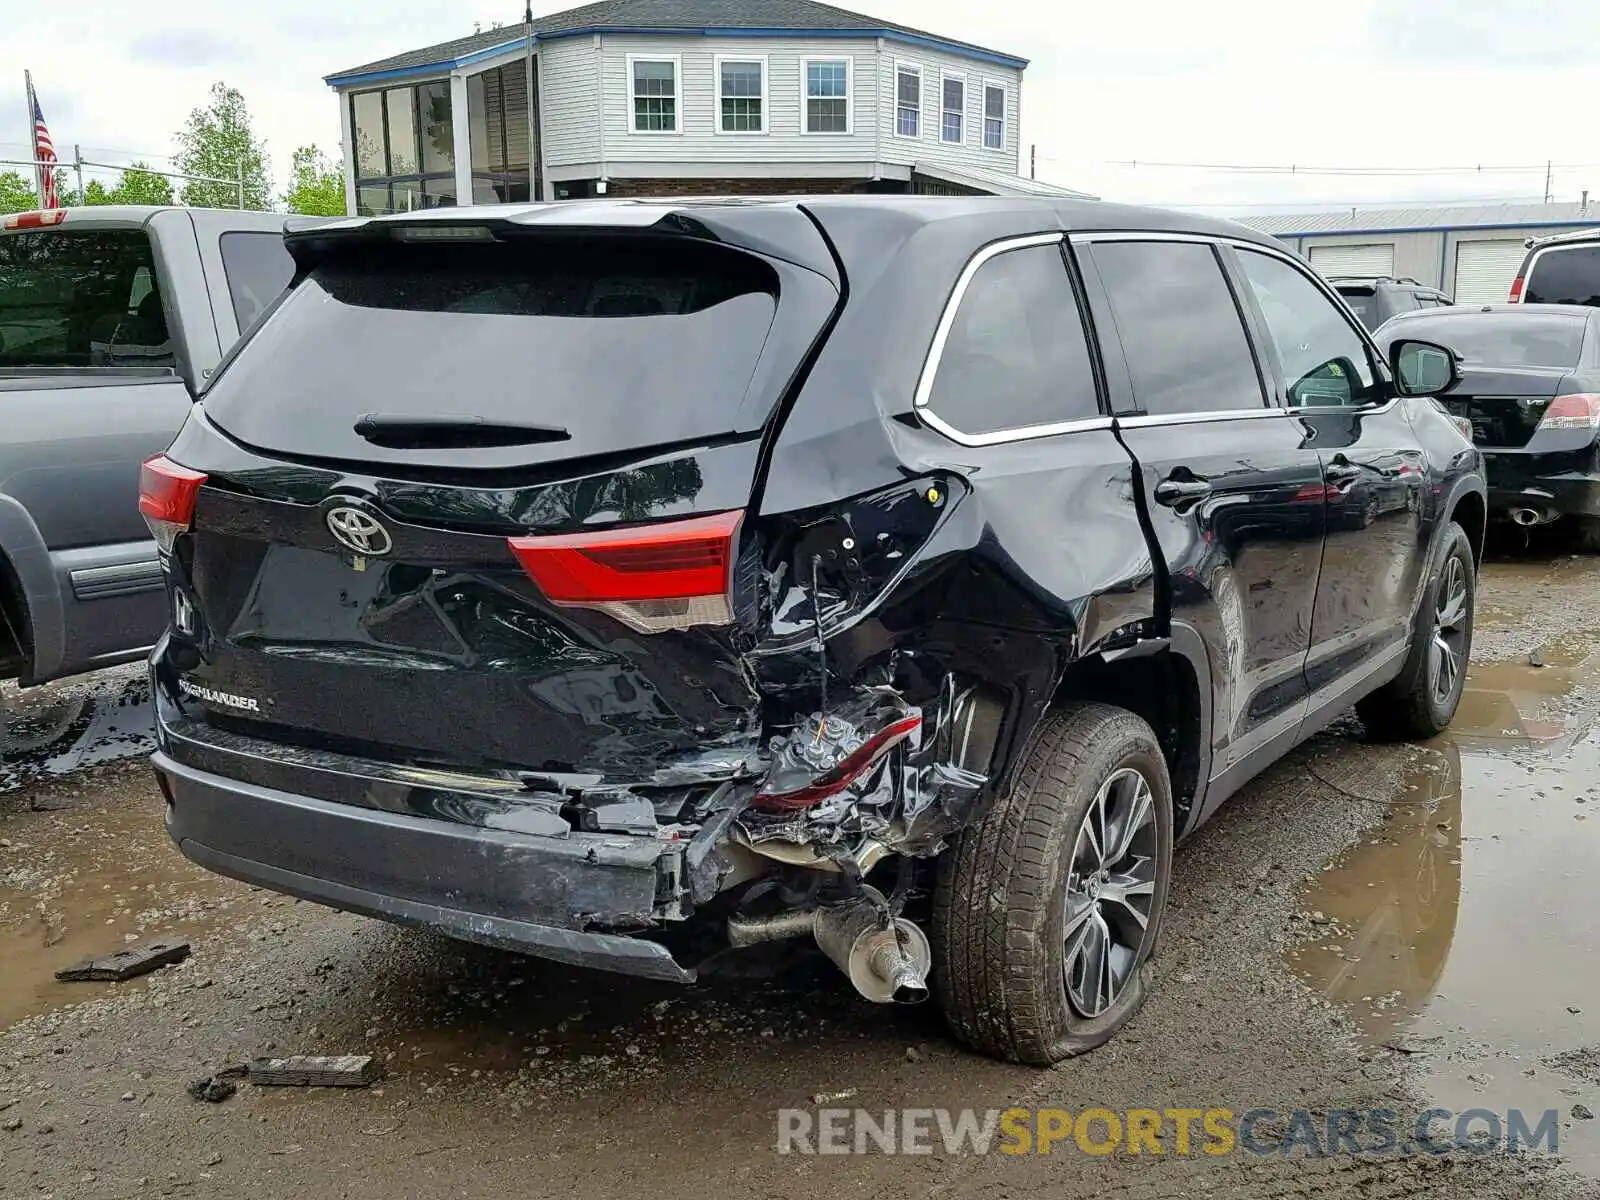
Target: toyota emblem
359, 532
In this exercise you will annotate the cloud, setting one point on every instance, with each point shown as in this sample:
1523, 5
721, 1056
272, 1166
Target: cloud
1488, 33
185, 48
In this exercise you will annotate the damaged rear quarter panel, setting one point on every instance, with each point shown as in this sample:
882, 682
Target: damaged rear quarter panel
1036, 559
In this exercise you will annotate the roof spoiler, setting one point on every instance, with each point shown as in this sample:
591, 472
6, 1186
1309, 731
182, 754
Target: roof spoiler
780, 231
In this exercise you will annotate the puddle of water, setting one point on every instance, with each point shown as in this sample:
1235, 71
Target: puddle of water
1465, 926
76, 884
1511, 705
81, 722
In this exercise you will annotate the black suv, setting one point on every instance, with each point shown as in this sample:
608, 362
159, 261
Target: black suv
1376, 298
629, 583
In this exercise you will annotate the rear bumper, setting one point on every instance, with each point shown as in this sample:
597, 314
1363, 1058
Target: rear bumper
533, 894
1547, 484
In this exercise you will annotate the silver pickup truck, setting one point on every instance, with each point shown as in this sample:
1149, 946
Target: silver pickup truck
111, 320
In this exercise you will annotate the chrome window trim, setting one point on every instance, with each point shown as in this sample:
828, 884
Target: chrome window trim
1143, 420
1024, 433
941, 334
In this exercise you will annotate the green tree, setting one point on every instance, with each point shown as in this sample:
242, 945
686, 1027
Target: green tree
316, 185
16, 193
217, 142
94, 192
140, 185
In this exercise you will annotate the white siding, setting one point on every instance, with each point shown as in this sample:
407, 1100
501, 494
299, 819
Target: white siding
569, 71
697, 139
927, 146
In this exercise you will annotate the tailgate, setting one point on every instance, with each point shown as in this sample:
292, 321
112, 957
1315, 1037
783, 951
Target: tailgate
481, 506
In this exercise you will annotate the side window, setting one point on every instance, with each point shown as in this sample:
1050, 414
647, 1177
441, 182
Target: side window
1324, 360
258, 269
1016, 354
80, 299
1182, 335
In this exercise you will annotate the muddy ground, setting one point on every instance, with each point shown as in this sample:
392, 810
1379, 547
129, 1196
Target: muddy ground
1366, 925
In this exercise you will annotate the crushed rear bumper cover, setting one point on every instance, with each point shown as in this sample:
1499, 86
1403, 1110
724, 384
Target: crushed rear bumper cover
515, 891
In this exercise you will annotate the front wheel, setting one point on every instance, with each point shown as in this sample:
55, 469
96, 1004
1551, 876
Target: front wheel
1421, 701
1047, 911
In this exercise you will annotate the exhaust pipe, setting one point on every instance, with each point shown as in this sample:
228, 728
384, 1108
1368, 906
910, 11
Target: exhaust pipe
1526, 516
887, 963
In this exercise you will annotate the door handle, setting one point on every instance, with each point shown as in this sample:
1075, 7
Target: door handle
1342, 470
1179, 491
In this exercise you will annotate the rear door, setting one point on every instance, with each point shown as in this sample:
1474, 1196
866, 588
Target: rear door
1232, 485
1373, 473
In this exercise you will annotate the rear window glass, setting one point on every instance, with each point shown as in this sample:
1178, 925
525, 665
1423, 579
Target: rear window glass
1362, 302
1565, 276
623, 343
1016, 354
258, 269
1503, 339
80, 299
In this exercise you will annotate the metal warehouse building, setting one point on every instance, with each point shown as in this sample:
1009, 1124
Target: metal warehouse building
1471, 253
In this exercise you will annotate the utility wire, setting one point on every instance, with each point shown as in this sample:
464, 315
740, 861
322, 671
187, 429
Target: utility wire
1297, 169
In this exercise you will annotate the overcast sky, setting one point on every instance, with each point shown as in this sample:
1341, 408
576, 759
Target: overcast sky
1319, 83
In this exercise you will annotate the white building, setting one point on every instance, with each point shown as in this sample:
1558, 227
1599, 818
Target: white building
682, 97
1470, 253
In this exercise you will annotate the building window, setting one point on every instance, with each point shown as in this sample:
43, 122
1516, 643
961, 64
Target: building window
908, 100
497, 128
404, 148
994, 117
827, 95
655, 94
953, 112
742, 95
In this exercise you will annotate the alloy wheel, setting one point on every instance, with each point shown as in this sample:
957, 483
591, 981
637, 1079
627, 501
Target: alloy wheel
1447, 654
1111, 886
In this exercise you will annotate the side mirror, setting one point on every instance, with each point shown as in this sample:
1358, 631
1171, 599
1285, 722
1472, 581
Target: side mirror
1423, 368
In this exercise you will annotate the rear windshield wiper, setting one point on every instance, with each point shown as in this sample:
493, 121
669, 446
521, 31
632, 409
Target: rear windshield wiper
452, 433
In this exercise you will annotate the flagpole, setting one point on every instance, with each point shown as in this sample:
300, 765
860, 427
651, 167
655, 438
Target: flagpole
535, 180
33, 138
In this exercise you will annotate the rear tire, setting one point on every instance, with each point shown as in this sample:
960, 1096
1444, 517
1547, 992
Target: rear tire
1041, 941
1421, 701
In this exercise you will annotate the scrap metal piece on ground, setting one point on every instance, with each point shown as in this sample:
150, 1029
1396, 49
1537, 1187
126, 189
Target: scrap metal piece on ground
220, 1086
316, 1070
126, 964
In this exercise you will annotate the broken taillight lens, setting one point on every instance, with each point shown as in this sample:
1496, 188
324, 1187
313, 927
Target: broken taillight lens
167, 495
1578, 410
652, 578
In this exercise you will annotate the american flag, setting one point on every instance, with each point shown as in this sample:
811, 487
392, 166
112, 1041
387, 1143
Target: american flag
44, 153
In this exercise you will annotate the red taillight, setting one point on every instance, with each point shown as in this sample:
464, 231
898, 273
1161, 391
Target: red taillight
650, 577
35, 220
1317, 492
1516, 290
167, 494
851, 768
1579, 410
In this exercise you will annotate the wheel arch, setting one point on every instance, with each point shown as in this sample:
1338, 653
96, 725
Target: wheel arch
1171, 691
1469, 508
26, 575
